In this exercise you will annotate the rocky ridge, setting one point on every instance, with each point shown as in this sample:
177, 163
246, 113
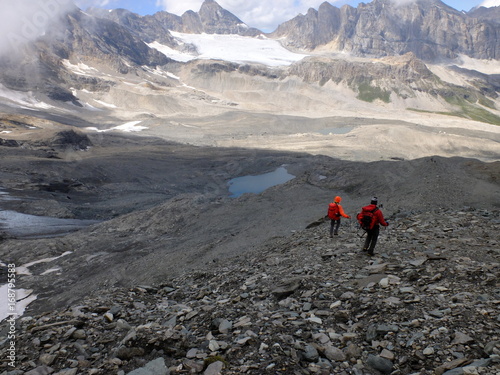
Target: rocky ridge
210, 19
398, 82
384, 28
426, 303
491, 14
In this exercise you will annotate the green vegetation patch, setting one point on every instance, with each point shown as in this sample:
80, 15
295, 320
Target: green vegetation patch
471, 113
470, 105
368, 93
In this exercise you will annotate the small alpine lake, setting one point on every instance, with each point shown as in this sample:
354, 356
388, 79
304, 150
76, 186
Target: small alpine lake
258, 183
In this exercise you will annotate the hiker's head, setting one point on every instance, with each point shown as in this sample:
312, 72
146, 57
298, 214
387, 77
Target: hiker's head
337, 199
374, 200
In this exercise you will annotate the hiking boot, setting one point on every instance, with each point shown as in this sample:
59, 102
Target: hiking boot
370, 253
335, 234
364, 250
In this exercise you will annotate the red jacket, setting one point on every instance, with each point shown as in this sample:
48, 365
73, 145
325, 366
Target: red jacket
379, 216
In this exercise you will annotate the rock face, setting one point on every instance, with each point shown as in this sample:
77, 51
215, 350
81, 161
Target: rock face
428, 28
85, 38
211, 19
486, 14
393, 79
427, 303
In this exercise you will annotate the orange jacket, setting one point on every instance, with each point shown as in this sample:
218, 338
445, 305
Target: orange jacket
341, 211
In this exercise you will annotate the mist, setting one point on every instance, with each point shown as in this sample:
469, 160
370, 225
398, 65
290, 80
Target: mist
403, 2
491, 3
24, 21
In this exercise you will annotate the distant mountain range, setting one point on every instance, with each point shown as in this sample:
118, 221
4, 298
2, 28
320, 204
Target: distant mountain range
420, 32
428, 28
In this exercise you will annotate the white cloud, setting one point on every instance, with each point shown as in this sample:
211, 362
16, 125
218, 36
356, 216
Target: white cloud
83, 4
22, 21
403, 2
264, 15
490, 3
179, 7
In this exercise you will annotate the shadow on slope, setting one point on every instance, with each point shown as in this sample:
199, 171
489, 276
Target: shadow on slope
196, 229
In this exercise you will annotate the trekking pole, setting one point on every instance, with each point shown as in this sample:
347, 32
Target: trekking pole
389, 232
363, 232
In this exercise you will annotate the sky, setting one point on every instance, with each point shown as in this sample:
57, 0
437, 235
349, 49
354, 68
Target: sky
265, 15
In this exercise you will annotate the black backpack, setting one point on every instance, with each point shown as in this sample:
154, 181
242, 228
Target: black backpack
366, 218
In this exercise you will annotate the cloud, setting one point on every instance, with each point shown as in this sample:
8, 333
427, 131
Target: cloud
403, 2
22, 21
458, 4
490, 3
179, 7
84, 4
264, 15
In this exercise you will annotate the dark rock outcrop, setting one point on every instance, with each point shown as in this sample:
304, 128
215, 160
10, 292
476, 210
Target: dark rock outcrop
71, 139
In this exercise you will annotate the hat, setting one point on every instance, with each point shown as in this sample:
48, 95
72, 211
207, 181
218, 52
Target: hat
374, 200
337, 199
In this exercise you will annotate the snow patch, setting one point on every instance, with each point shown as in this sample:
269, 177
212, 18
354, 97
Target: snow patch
235, 48
105, 104
483, 66
127, 127
80, 69
23, 99
56, 269
24, 269
23, 298
130, 127
90, 107
172, 75
172, 53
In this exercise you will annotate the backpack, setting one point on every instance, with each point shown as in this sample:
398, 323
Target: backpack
333, 211
366, 218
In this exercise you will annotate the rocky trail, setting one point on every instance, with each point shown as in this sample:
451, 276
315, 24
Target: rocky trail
428, 302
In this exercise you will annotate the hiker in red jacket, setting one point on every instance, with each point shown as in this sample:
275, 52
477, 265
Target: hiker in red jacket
373, 230
335, 211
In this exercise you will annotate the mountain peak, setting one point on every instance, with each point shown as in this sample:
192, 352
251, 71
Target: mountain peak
211, 11
491, 14
216, 20
394, 27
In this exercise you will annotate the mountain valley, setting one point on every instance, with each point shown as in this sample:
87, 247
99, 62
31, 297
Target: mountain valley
134, 126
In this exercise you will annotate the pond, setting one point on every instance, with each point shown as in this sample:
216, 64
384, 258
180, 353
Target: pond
30, 226
259, 183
